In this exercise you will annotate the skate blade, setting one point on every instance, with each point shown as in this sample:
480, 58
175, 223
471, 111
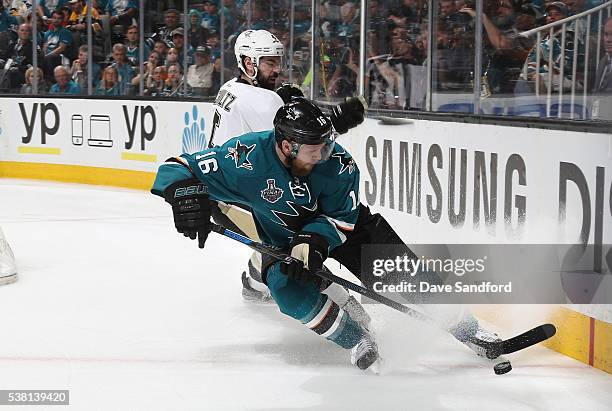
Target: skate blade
376, 367
9, 279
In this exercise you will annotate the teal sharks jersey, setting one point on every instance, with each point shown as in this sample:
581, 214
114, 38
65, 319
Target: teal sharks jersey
247, 170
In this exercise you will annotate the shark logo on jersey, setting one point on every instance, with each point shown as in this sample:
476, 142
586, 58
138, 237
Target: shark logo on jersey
299, 189
240, 154
300, 214
346, 161
272, 193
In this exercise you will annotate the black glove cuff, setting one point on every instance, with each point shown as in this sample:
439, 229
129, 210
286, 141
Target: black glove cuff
314, 240
183, 189
288, 91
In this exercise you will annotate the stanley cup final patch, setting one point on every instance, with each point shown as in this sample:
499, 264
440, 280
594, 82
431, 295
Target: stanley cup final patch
272, 193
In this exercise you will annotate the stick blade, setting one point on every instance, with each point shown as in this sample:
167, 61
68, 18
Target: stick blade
528, 338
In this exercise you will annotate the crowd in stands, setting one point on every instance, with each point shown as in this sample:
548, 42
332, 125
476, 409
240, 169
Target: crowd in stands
62, 48
397, 47
397, 52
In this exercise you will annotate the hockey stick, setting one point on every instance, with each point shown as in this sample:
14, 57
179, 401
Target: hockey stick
279, 255
493, 349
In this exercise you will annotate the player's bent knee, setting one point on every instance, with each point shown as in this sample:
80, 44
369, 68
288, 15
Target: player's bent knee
292, 298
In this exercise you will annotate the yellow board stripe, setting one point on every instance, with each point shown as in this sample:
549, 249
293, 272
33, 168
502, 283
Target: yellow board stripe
603, 346
149, 158
581, 337
142, 180
39, 150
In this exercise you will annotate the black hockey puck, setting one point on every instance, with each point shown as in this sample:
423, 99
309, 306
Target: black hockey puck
502, 368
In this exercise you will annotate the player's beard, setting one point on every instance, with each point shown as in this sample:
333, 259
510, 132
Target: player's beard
300, 169
268, 82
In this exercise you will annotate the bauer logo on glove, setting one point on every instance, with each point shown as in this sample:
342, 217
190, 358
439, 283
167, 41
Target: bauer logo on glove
191, 190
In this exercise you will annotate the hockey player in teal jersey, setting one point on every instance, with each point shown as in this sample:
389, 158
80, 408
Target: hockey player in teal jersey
303, 191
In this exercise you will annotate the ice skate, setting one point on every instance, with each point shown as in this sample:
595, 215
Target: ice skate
253, 295
8, 269
480, 342
365, 354
477, 338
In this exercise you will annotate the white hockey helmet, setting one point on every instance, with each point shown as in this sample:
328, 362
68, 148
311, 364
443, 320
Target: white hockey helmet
256, 44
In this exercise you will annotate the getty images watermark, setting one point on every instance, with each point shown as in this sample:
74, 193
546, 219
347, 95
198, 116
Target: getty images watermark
411, 266
490, 273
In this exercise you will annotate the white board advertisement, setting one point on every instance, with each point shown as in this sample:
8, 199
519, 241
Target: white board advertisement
121, 134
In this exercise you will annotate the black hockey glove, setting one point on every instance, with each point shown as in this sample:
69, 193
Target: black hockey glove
191, 208
348, 114
309, 251
288, 91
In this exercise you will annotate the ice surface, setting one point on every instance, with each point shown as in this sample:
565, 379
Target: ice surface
114, 305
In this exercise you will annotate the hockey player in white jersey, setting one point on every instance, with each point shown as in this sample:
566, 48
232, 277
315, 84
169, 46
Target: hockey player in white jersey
248, 103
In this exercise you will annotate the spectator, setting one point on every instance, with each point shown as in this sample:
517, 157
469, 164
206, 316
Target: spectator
47, 7
109, 84
40, 28
301, 19
454, 58
555, 11
178, 38
405, 12
505, 15
229, 13
152, 63
77, 22
197, 34
172, 22
161, 48
210, 17
510, 49
65, 15
100, 5
603, 77
124, 69
80, 70
172, 57
344, 68
379, 24
57, 43
122, 12
447, 9
156, 83
21, 54
174, 83
389, 77
602, 104
199, 75
28, 87
347, 28
7, 21
132, 46
215, 45
63, 82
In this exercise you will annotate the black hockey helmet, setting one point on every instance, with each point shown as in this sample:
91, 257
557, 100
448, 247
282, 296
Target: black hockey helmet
302, 122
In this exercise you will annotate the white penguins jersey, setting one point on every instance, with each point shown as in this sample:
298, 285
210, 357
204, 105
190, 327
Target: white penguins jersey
241, 108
